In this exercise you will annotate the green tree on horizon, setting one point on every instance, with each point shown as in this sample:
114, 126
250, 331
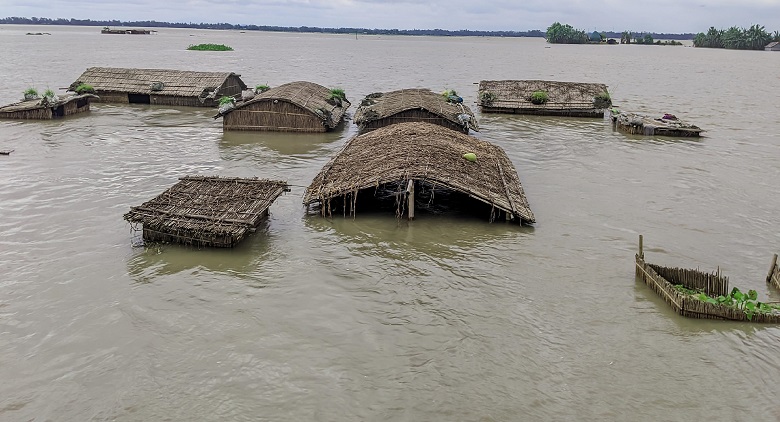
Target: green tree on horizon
558, 33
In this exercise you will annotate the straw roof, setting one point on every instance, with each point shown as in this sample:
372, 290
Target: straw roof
41, 103
209, 211
177, 83
425, 152
562, 95
380, 105
310, 96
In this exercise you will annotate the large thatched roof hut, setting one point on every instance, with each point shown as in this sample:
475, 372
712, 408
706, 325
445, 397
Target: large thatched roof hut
292, 107
396, 160
46, 109
413, 105
160, 86
207, 211
549, 98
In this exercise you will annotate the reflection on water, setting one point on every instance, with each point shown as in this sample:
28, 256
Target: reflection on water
281, 143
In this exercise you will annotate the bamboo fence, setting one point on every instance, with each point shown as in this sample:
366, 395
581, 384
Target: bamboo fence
663, 279
774, 273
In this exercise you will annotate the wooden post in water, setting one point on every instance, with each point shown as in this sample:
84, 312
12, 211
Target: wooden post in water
410, 198
641, 252
772, 269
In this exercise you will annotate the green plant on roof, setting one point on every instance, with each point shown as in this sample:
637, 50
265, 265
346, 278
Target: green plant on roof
226, 100
48, 93
262, 88
30, 93
486, 98
447, 93
209, 47
602, 100
84, 89
337, 95
539, 97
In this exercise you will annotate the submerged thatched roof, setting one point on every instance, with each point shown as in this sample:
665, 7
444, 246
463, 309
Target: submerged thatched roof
380, 105
307, 95
426, 152
41, 103
562, 95
667, 124
208, 210
177, 83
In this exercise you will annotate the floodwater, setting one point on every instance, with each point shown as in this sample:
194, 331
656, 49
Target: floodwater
438, 319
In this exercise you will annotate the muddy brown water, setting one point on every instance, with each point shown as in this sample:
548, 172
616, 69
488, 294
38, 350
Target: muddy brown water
374, 319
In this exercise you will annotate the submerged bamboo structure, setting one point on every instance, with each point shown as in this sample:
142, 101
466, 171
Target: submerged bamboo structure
403, 156
207, 211
413, 105
774, 273
663, 279
573, 99
160, 86
667, 125
293, 107
47, 109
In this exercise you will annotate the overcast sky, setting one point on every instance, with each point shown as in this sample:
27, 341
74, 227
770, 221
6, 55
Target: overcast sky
604, 15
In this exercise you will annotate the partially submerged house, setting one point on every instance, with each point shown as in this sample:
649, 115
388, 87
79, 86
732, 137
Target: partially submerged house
160, 86
410, 166
666, 125
413, 105
772, 46
47, 108
292, 107
207, 211
549, 98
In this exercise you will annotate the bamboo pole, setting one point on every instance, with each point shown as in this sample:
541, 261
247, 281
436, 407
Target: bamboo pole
641, 248
410, 198
772, 269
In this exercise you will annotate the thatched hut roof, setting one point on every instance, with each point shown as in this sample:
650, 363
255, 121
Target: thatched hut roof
176, 83
424, 152
380, 105
41, 103
308, 95
666, 125
563, 97
207, 211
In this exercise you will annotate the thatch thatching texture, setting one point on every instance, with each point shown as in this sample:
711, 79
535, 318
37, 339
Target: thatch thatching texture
43, 109
572, 99
293, 107
160, 86
427, 153
663, 279
413, 105
637, 124
207, 211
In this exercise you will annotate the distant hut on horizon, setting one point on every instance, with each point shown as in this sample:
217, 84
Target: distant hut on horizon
413, 105
160, 86
550, 98
293, 107
772, 46
417, 165
207, 211
46, 109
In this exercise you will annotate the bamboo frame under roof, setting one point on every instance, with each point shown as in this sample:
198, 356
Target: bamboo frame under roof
426, 153
207, 211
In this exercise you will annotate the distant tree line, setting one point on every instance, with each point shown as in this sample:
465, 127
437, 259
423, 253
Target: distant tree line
558, 33
156, 24
753, 38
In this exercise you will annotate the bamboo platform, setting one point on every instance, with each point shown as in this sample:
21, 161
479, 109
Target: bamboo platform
637, 124
663, 279
207, 211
